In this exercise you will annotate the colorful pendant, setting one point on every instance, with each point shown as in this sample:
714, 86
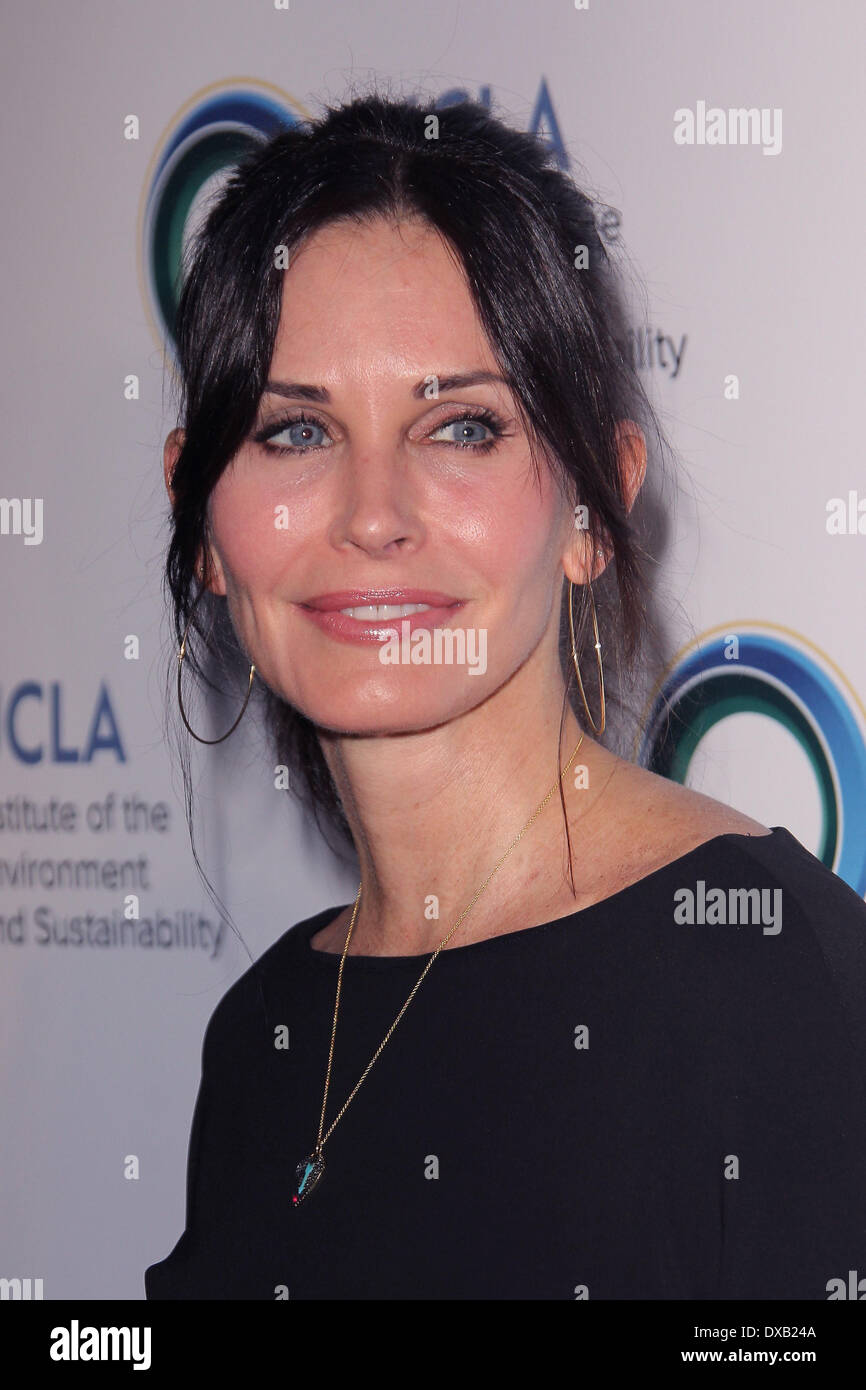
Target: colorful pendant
308, 1174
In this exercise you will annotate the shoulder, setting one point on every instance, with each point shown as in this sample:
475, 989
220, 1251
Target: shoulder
649, 823
675, 817
708, 843
708, 836
689, 825
782, 934
254, 1004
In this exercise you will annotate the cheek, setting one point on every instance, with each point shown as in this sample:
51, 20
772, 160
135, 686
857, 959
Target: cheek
517, 531
248, 535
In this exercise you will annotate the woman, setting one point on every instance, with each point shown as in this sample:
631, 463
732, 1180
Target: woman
508, 1069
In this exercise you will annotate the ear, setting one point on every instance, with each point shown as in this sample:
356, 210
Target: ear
579, 563
170, 455
632, 459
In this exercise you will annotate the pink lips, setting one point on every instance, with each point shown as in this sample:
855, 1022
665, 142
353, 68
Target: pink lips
324, 611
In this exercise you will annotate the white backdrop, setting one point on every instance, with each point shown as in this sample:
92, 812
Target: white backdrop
751, 254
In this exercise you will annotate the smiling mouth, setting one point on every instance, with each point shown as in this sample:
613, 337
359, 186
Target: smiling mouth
377, 612
375, 623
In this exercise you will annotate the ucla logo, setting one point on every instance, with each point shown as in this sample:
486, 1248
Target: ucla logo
36, 729
217, 127
766, 669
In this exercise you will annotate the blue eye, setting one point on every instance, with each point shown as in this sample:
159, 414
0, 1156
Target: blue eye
305, 427
464, 438
301, 443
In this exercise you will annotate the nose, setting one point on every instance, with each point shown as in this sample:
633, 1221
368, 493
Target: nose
378, 511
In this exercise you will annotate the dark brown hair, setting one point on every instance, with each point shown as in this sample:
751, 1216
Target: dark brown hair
559, 332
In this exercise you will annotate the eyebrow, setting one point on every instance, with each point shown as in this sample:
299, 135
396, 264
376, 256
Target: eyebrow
300, 391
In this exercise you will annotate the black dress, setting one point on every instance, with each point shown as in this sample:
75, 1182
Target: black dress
621, 1104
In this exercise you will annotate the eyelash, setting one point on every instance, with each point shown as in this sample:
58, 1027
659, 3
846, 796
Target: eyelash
482, 414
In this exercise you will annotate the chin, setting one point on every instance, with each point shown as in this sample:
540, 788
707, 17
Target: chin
376, 711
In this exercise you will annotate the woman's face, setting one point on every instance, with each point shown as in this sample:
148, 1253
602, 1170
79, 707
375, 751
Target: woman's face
378, 499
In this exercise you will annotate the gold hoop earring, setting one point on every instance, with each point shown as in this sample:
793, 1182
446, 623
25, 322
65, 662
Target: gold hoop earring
600, 729
180, 656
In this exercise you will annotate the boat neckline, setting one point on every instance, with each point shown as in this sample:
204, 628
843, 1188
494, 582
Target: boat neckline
303, 932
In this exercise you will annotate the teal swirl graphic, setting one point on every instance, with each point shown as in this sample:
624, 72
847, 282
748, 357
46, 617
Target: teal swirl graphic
217, 130
798, 688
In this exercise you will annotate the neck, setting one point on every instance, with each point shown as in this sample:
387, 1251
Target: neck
432, 812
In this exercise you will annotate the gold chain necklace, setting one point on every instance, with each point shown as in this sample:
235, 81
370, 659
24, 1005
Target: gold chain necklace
309, 1171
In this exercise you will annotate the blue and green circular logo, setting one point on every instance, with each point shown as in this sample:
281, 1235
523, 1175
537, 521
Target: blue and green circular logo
766, 669
217, 127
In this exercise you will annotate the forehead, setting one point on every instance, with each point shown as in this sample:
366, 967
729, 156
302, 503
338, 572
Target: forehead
357, 294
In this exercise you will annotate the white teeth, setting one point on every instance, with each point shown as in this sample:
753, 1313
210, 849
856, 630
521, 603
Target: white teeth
376, 612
